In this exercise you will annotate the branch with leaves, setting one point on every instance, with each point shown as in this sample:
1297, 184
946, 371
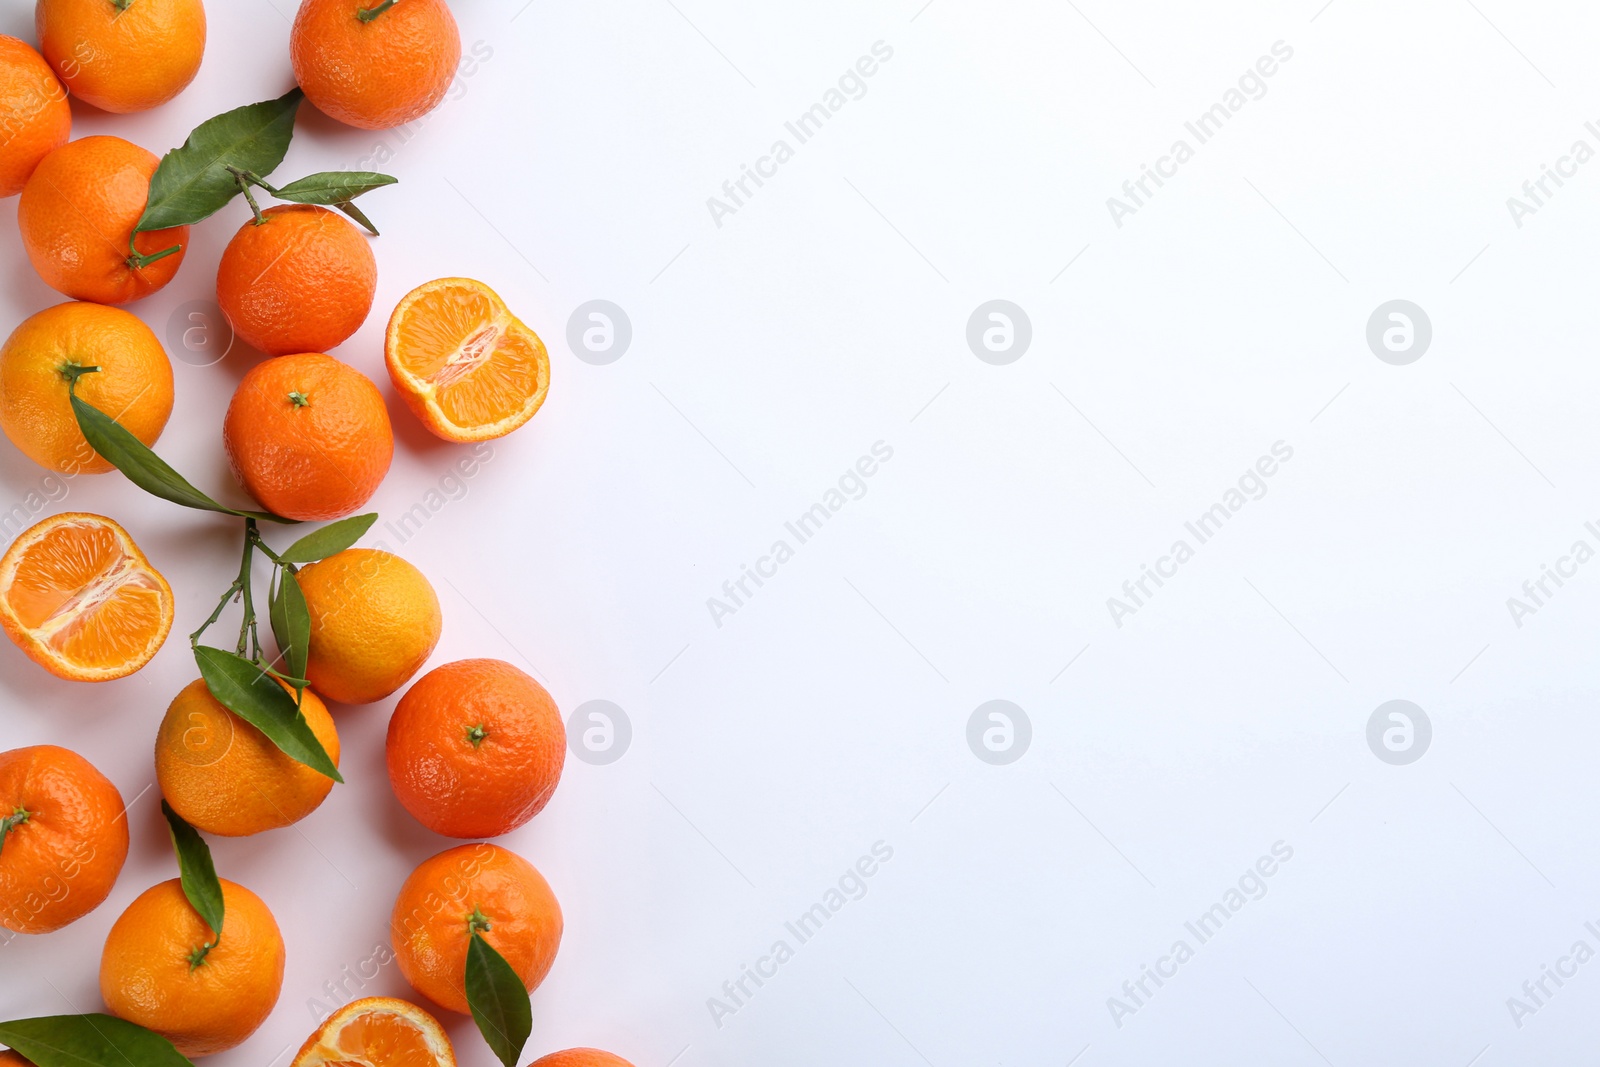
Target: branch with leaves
230, 154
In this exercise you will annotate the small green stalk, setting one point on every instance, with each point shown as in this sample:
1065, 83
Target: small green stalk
139, 261
198, 956
299, 399
367, 14
121, 5
72, 371
476, 734
11, 822
477, 922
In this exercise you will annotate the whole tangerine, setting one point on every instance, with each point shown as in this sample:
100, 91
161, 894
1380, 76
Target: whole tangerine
374, 622
132, 382
35, 118
223, 776
478, 888
372, 64
308, 437
301, 279
63, 838
119, 56
475, 748
164, 969
76, 217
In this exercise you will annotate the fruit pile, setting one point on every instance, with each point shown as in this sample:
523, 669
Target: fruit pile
474, 749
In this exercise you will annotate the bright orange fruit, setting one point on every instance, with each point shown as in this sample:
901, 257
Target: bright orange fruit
375, 64
308, 437
473, 887
223, 775
301, 280
133, 384
581, 1057
67, 840
164, 969
35, 119
81, 600
475, 748
466, 366
378, 1032
119, 56
374, 622
77, 215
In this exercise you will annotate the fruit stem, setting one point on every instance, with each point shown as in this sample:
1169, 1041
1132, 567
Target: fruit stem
249, 636
122, 5
11, 822
299, 399
198, 956
476, 734
367, 14
477, 922
73, 371
139, 261
233, 590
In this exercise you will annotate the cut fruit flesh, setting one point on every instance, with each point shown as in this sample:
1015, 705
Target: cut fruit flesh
469, 368
80, 598
379, 1032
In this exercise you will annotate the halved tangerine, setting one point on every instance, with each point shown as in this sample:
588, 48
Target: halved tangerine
466, 366
81, 600
378, 1032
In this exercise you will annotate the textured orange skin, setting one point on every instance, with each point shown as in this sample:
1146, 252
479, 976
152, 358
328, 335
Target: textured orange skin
60, 864
319, 460
30, 644
308, 1053
77, 214
430, 928
303, 281
35, 118
379, 74
223, 775
374, 622
145, 976
459, 789
133, 385
123, 61
580, 1057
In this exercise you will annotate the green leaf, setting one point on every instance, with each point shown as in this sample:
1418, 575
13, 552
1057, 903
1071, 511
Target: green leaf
143, 467
291, 623
88, 1041
333, 187
197, 873
194, 182
331, 539
499, 1001
360, 216
252, 694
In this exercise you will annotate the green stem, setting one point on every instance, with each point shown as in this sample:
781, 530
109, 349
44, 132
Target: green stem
73, 371
11, 822
477, 922
367, 14
247, 624
233, 590
139, 261
198, 956
122, 5
476, 734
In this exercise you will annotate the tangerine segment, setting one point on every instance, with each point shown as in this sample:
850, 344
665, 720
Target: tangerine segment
466, 366
81, 600
378, 1032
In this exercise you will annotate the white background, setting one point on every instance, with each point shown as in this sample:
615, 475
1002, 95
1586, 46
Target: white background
830, 711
